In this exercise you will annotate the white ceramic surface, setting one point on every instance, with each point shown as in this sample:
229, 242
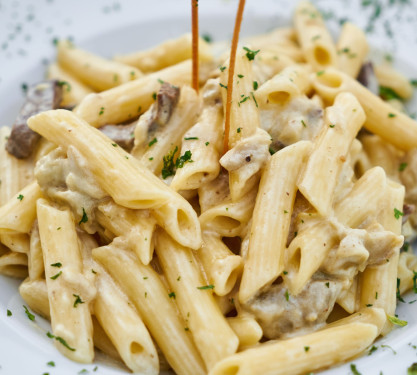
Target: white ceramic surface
27, 29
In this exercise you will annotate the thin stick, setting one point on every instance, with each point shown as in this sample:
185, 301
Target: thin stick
194, 17
232, 60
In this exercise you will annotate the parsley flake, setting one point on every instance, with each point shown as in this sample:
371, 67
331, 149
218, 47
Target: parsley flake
58, 264
222, 68
20, 197
373, 349
29, 314
190, 138
224, 86
399, 298
303, 123
154, 95
9, 313
250, 54
287, 295
204, 287
84, 218
51, 363
207, 143
152, 142
238, 130
402, 166
60, 339
172, 295
101, 111
398, 213
64, 83
332, 125
321, 72
354, 369
255, 85
56, 276
391, 115
306, 348
412, 370
396, 321
77, 300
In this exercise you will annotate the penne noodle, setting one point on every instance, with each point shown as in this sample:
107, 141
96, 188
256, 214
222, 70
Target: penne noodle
166, 54
94, 71
381, 118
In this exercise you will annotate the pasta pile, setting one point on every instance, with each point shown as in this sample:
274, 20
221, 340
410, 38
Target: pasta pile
135, 234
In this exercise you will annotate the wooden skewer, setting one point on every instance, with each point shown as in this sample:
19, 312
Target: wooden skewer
194, 17
232, 60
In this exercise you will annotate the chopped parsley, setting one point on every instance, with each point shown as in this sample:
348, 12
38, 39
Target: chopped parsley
369, 305
254, 99
170, 166
56, 276
398, 213
354, 369
207, 143
391, 115
114, 144
101, 111
51, 363
414, 281
222, 68
244, 99
151, 143
240, 75
160, 81
402, 166
172, 295
179, 163
396, 321
285, 272
20, 197
373, 349
77, 300
303, 123
132, 74
387, 346
60, 339
204, 287
224, 86
154, 95
190, 138
64, 83
399, 298
207, 38
84, 218
412, 370
250, 54
413, 82
29, 314
332, 125
306, 348
321, 72
238, 130
58, 264
255, 85
327, 284
287, 295
83, 371
59, 228
387, 93
9, 313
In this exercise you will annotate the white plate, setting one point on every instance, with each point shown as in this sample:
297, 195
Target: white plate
108, 27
